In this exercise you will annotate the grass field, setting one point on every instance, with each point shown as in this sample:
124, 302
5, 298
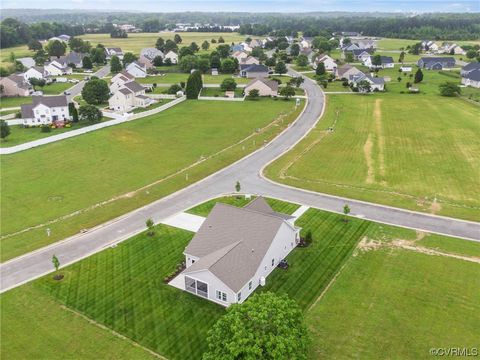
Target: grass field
9, 102
217, 92
160, 102
56, 88
135, 42
106, 165
395, 149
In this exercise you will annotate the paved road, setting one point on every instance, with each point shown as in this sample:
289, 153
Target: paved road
77, 88
248, 172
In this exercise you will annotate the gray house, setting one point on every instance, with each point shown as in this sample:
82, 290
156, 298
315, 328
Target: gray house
471, 74
436, 63
253, 71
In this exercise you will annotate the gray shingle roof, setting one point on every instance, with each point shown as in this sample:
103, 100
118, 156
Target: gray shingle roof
49, 101
270, 83
473, 75
471, 66
134, 86
232, 242
254, 68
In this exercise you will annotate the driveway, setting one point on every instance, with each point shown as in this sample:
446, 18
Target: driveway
185, 221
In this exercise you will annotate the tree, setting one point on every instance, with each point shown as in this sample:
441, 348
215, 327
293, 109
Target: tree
418, 76
228, 84
238, 186
128, 58
254, 94
36, 82
188, 63
55, 262
349, 57
294, 49
79, 45
173, 89
287, 92
449, 88
87, 62
184, 51
40, 57
205, 45
194, 85
401, 57
157, 61
150, 227
267, 326
320, 70
280, 68
302, 60
90, 113
95, 91
377, 61
73, 112
203, 64
215, 62
115, 65
34, 45
98, 55
223, 50
296, 81
177, 38
471, 53
221, 40
4, 129
160, 43
194, 47
270, 62
364, 86
228, 66
118, 33
56, 48
415, 49
170, 46
346, 211
309, 237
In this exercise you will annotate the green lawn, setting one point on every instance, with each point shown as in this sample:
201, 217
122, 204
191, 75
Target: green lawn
217, 79
168, 78
397, 304
56, 88
77, 173
160, 102
336, 86
395, 149
217, 92
136, 41
8, 102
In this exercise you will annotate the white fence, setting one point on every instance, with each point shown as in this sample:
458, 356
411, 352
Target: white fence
220, 98
14, 121
161, 96
87, 129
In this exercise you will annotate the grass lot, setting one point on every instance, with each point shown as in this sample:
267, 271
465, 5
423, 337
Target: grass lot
8, 102
394, 44
146, 147
217, 79
135, 42
394, 149
169, 78
217, 92
56, 88
160, 102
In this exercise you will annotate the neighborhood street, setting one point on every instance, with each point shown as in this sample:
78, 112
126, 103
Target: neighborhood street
248, 172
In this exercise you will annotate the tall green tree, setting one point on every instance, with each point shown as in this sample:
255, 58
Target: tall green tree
90, 113
128, 58
302, 60
115, 65
79, 45
95, 91
177, 38
4, 129
205, 45
228, 84
87, 63
267, 327
170, 46
56, 48
450, 89
73, 112
287, 92
346, 211
418, 76
194, 47
194, 85
228, 66
280, 68
160, 44
55, 262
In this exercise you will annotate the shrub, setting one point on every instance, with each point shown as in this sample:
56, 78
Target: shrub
46, 128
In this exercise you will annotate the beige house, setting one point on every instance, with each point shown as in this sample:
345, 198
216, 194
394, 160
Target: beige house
131, 95
119, 80
265, 87
249, 60
239, 55
345, 71
15, 85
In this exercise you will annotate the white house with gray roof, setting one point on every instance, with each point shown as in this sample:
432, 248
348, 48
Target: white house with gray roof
45, 110
131, 95
471, 74
235, 250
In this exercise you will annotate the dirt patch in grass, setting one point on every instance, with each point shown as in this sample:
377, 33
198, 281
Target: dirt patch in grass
377, 114
367, 149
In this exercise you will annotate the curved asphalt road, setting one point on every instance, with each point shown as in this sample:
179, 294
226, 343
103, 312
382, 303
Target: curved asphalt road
248, 171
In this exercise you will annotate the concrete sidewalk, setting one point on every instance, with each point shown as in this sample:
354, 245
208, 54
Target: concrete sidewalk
185, 221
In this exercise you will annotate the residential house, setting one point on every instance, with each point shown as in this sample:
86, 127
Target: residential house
471, 74
345, 71
264, 86
366, 44
253, 71
249, 60
236, 47
63, 37
430, 46
246, 47
131, 95
172, 56
350, 47
361, 54
235, 250
255, 43
452, 49
376, 83
56, 68
306, 42
37, 72
436, 63
328, 62
45, 110
239, 55
119, 80
137, 69
109, 52
27, 62
386, 62
147, 55
308, 52
72, 58
289, 39
15, 85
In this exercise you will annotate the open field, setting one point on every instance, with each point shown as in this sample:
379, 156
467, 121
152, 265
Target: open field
111, 167
136, 41
8, 102
217, 92
56, 88
412, 151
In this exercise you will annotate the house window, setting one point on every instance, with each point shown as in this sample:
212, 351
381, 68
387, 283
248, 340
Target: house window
221, 295
273, 262
250, 285
239, 296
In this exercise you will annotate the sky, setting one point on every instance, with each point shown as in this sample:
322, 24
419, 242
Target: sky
252, 6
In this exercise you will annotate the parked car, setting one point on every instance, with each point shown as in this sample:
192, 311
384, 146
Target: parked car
88, 71
37, 93
283, 264
67, 93
74, 81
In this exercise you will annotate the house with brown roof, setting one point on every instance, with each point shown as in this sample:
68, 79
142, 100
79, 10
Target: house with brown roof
119, 80
147, 55
45, 110
15, 85
345, 71
234, 251
264, 86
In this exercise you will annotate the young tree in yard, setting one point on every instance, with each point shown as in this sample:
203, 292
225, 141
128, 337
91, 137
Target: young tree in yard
287, 92
270, 62
160, 43
228, 84
37, 82
4, 129
115, 65
377, 60
280, 68
449, 89
471, 53
364, 86
56, 48
215, 62
177, 39
418, 76
346, 211
203, 64
221, 40
55, 262
267, 326
40, 57
173, 89
98, 55
228, 66
223, 50
79, 45
150, 227
95, 91
73, 112
302, 60
238, 187
90, 113
184, 51
401, 57
205, 45
349, 57
253, 94
87, 63
128, 58
188, 63
320, 70
157, 61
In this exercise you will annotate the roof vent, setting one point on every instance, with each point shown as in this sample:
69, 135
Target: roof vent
253, 250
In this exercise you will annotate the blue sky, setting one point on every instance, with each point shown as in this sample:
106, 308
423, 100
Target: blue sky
253, 6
